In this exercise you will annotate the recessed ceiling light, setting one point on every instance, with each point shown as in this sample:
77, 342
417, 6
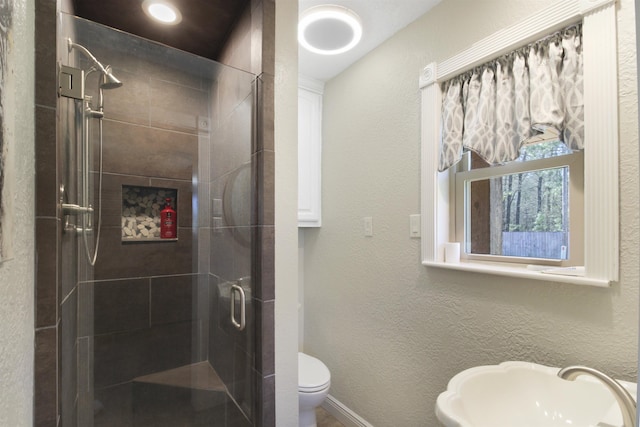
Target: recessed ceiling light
162, 11
329, 29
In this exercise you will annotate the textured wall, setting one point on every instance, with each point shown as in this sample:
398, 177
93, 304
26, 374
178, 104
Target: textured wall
393, 332
16, 275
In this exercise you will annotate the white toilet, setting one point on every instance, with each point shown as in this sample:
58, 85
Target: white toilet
314, 380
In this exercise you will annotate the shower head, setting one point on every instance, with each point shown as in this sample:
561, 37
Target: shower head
109, 81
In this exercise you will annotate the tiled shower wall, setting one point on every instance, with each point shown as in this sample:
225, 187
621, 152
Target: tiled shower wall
48, 225
56, 316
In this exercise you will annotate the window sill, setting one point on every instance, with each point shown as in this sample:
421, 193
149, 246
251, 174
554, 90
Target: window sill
518, 272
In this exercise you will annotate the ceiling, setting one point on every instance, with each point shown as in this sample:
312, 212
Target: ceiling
204, 29
380, 20
206, 25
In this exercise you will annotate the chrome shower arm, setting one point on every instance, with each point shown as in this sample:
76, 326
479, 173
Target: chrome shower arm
109, 81
86, 53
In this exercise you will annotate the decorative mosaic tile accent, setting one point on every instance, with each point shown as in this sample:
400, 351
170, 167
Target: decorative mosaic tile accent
141, 208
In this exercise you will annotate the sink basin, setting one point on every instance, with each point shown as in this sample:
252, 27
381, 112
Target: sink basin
522, 394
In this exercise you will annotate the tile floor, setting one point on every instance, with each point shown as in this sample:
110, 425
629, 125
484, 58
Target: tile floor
325, 419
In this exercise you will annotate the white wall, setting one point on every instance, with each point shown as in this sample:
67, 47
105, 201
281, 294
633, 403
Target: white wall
393, 332
286, 213
16, 274
637, 4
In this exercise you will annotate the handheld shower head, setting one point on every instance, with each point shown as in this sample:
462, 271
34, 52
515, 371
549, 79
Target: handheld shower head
109, 81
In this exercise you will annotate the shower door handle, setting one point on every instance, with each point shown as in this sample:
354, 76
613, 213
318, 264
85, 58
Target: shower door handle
235, 289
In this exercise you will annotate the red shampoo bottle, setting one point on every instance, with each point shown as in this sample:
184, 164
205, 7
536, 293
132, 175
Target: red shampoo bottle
168, 221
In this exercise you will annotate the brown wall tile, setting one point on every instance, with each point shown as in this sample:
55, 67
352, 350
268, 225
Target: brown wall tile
241, 388
118, 406
265, 113
46, 373
124, 356
178, 68
121, 305
130, 102
46, 272
266, 401
171, 346
269, 36
265, 181
136, 150
235, 417
176, 107
68, 261
121, 260
172, 299
264, 263
68, 359
232, 141
119, 358
231, 252
46, 79
46, 180
257, 18
237, 50
265, 337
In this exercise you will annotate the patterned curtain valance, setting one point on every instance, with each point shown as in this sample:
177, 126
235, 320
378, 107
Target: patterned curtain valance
530, 95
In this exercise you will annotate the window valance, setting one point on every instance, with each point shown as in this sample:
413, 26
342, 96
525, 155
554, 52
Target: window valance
529, 95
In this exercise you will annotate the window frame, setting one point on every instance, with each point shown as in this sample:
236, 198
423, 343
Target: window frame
601, 189
464, 175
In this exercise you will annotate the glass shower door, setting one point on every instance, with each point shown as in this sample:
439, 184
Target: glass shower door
163, 333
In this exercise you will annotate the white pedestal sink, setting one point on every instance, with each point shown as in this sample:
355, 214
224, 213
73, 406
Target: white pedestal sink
522, 394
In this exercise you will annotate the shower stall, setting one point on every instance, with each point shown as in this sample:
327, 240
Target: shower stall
155, 331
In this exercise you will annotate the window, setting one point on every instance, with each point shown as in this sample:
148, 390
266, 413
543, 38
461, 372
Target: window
522, 211
600, 159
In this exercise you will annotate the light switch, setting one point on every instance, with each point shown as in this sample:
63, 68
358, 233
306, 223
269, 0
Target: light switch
368, 226
414, 225
217, 207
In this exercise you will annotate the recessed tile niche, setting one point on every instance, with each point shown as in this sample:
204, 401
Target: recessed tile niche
141, 207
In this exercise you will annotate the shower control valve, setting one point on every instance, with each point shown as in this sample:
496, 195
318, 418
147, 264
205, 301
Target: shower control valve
71, 209
96, 114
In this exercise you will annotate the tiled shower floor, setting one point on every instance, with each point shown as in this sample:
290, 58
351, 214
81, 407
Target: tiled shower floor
189, 396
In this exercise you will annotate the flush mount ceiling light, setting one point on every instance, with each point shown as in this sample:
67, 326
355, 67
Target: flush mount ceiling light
162, 11
329, 29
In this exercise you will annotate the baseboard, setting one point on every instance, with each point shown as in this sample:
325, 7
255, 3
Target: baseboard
343, 414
